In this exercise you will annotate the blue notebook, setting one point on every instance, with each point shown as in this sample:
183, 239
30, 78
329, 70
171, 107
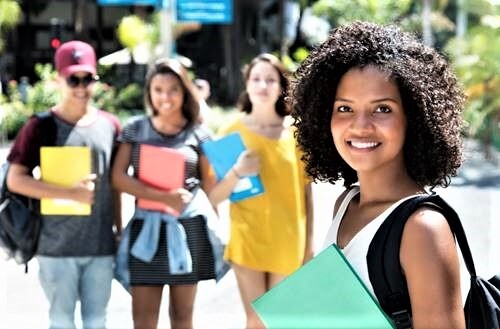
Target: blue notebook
324, 293
223, 154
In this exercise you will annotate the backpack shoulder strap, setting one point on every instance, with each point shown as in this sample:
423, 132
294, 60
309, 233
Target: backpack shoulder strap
48, 127
384, 267
4, 169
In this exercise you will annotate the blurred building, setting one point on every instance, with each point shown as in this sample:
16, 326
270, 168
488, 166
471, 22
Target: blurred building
217, 51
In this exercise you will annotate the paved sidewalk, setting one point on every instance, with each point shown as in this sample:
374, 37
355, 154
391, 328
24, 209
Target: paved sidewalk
218, 306
475, 194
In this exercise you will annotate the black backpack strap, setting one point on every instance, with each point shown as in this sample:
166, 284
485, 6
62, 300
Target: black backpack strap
384, 267
48, 127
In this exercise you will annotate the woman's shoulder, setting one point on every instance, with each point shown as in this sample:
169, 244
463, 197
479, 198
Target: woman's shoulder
427, 239
201, 132
231, 126
428, 224
428, 250
352, 190
136, 120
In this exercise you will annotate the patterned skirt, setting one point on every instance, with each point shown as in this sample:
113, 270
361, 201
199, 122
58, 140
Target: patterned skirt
157, 271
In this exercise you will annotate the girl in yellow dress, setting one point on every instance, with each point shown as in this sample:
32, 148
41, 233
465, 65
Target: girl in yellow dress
271, 233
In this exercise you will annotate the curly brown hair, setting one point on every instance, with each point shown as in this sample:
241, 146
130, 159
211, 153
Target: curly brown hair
190, 105
432, 101
282, 108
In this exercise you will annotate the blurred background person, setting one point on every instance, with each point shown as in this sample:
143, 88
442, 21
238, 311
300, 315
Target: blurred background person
75, 252
203, 91
172, 121
281, 218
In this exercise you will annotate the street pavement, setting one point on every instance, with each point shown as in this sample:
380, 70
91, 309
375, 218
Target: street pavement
475, 194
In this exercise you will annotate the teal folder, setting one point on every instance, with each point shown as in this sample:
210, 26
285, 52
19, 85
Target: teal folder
222, 154
324, 293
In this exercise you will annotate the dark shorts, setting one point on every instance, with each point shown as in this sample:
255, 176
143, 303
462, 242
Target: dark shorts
157, 271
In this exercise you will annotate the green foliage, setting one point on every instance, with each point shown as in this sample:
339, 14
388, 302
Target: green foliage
132, 31
477, 65
405, 13
45, 93
155, 29
10, 14
344, 11
41, 96
292, 62
116, 100
479, 7
300, 54
14, 113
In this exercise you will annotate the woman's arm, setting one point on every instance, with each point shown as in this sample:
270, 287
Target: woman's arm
430, 263
176, 199
117, 206
208, 180
309, 250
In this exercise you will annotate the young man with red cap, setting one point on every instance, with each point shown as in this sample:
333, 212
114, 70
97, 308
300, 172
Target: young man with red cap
75, 253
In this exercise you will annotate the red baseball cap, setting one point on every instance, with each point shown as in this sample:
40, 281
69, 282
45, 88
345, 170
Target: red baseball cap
75, 56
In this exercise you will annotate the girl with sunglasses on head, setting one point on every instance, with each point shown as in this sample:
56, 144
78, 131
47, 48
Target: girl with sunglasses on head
271, 233
75, 252
183, 253
379, 110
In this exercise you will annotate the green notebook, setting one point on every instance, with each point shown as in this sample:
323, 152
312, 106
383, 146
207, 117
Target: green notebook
324, 293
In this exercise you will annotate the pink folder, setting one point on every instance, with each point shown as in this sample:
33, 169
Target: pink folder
163, 168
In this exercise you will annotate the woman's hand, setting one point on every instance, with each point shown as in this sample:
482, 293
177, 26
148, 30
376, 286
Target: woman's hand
248, 164
178, 199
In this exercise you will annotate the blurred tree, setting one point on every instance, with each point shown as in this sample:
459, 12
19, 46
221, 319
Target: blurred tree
477, 65
426, 17
379, 11
132, 31
10, 14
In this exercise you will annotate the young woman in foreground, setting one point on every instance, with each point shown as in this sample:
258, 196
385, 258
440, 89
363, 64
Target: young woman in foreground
381, 111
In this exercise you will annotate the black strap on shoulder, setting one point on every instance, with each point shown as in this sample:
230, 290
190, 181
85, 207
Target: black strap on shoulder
48, 127
384, 267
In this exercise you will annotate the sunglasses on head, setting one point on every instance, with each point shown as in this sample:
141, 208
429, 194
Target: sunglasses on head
73, 81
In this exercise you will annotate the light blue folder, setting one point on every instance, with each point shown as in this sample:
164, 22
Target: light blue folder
223, 154
324, 293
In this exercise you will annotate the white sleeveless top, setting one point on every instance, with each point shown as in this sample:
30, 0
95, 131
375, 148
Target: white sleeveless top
357, 249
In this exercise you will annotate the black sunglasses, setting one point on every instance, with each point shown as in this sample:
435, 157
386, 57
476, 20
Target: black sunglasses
73, 81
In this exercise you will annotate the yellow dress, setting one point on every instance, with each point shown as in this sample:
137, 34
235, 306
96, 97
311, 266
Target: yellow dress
268, 231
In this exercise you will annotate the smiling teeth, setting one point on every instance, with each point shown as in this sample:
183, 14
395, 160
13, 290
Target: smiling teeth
364, 145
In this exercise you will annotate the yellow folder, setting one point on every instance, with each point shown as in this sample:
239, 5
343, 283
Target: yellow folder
65, 166
324, 293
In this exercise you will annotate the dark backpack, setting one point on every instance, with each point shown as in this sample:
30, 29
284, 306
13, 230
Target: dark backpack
482, 306
20, 221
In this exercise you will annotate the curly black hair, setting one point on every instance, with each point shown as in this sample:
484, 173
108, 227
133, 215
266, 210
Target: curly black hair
432, 101
282, 108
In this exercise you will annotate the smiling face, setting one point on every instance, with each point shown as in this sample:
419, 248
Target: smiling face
263, 84
78, 94
368, 122
166, 94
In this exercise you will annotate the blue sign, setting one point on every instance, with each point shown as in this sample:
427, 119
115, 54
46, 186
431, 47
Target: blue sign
205, 11
128, 2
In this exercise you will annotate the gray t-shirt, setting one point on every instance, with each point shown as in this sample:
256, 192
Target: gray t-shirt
75, 236
140, 130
